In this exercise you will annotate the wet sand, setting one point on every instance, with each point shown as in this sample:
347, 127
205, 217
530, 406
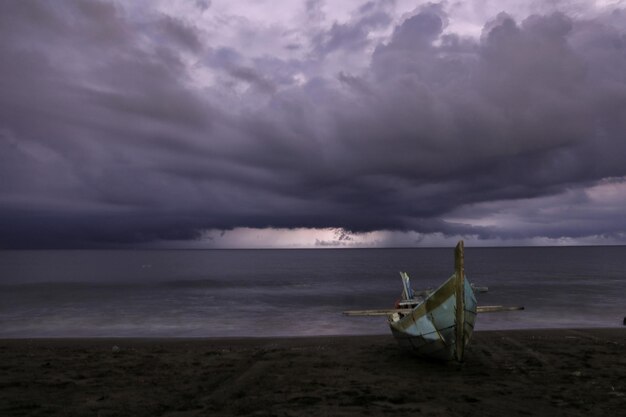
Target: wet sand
526, 373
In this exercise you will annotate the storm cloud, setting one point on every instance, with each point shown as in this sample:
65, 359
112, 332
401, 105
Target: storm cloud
120, 127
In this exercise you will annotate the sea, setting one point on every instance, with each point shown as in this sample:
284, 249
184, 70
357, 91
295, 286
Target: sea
260, 293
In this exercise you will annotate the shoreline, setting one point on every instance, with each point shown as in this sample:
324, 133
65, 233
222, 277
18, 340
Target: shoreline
542, 372
292, 337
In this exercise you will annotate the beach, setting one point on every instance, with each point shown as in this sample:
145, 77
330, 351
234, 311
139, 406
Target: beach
523, 372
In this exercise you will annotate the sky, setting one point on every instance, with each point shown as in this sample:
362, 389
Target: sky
297, 124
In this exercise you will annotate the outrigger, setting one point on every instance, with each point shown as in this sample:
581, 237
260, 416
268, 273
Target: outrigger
436, 323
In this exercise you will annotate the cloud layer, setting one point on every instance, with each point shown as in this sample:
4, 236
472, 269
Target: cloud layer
120, 126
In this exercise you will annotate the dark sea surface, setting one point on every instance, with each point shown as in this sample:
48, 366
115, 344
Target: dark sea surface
209, 293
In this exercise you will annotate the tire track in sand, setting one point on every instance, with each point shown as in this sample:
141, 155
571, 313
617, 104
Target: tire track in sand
235, 385
506, 352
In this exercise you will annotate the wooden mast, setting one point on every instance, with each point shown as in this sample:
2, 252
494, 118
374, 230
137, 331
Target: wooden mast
460, 301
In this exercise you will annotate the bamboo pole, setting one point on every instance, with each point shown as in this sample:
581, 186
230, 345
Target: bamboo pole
494, 309
387, 312
460, 301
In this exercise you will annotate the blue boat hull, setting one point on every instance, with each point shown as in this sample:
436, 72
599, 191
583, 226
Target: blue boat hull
430, 329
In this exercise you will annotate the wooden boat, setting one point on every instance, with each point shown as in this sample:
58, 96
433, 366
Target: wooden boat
436, 324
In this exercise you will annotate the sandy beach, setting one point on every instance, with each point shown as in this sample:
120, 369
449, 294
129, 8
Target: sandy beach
530, 372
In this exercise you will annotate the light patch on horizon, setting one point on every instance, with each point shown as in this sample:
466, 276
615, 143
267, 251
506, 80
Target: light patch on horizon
305, 238
282, 238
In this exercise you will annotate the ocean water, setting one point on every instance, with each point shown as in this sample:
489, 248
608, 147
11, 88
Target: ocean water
215, 293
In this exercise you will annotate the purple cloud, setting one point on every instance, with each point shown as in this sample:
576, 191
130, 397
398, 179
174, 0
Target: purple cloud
121, 129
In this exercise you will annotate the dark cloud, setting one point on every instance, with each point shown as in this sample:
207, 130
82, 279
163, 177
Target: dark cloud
353, 34
181, 33
253, 78
108, 138
203, 5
